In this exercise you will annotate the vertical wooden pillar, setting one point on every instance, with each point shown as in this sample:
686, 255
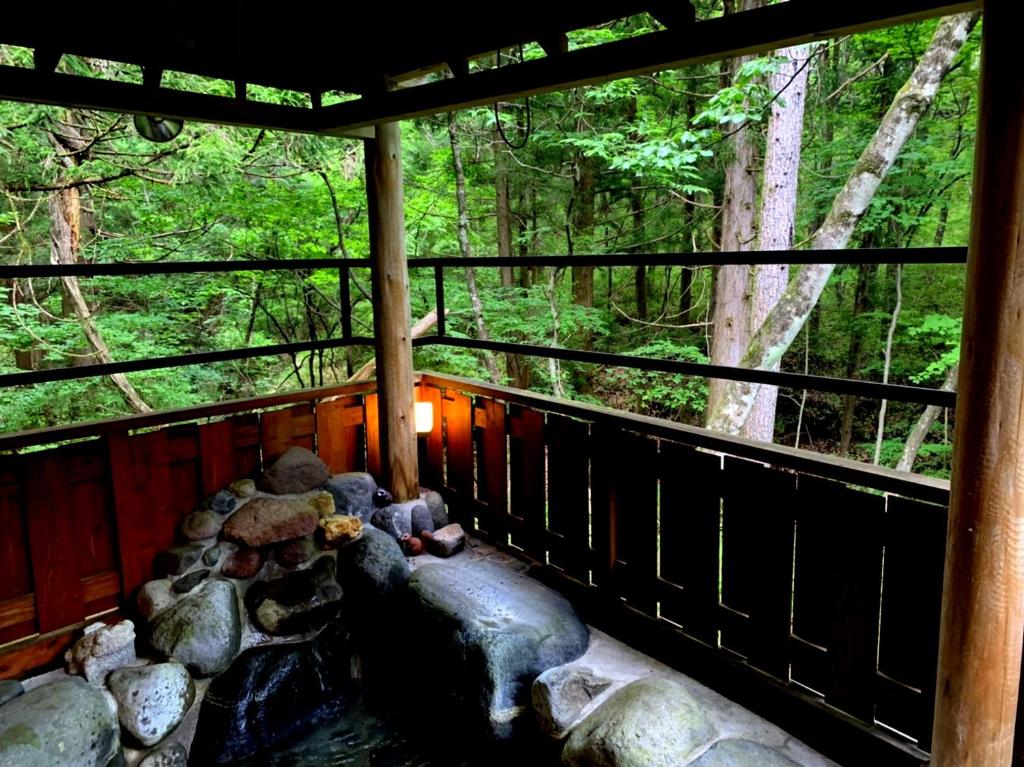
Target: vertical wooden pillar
983, 593
392, 334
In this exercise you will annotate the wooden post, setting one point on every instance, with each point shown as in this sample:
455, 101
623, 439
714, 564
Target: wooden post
983, 594
392, 334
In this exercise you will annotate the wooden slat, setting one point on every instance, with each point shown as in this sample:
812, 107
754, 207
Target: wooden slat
494, 472
15, 570
915, 546
568, 494
282, 429
217, 455
636, 522
337, 433
741, 506
432, 459
52, 542
145, 521
457, 410
690, 536
371, 415
246, 442
17, 611
93, 505
527, 467
21, 658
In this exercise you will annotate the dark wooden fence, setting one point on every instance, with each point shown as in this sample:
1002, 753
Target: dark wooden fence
809, 587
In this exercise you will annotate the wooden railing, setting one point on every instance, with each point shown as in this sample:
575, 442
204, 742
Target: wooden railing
804, 586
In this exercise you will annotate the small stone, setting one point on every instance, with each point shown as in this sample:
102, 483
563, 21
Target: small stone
223, 502
169, 755
211, 556
561, 694
742, 753
412, 546
9, 690
263, 521
648, 723
244, 563
203, 630
186, 583
435, 503
425, 536
294, 553
243, 488
382, 498
447, 541
152, 700
339, 529
201, 524
153, 597
396, 519
353, 494
102, 649
178, 559
298, 470
303, 601
421, 519
323, 503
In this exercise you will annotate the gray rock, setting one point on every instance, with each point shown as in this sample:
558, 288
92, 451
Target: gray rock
742, 753
152, 700
242, 488
397, 519
371, 570
67, 723
303, 601
353, 494
560, 695
271, 693
648, 723
186, 583
169, 755
421, 519
297, 471
203, 630
9, 690
178, 559
224, 502
211, 556
202, 524
499, 628
447, 541
435, 503
153, 597
102, 649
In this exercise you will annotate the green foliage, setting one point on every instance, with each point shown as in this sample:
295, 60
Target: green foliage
666, 395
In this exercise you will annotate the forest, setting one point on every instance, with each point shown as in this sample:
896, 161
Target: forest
860, 142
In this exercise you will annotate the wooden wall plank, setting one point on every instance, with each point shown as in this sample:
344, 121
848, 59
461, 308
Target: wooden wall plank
15, 569
217, 455
52, 541
569, 443
372, 416
636, 522
458, 424
527, 466
690, 519
289, 427
246, 441
90, 497
338, 426
432, 454
493, 472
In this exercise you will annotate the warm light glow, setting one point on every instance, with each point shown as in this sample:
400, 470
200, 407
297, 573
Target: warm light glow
424, 417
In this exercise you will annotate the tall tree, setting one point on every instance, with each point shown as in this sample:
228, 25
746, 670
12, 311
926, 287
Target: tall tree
784, 322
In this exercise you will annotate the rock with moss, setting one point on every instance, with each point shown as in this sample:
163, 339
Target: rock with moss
203, 630
648, 723
152, 700
66, 723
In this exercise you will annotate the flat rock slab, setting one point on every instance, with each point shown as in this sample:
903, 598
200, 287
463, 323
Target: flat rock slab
263, 521
648, 723
742, 753
67, 723
499, 629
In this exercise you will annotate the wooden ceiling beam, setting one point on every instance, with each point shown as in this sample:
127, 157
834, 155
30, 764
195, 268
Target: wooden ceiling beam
750, 33
43, 87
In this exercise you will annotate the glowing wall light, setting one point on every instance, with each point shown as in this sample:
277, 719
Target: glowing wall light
424, 417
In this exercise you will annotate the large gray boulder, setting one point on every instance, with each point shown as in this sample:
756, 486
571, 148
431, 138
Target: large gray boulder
67, 723
203, 630
371, 570
499, 629
297, 471
353, 494
648, 723
561, 694
742, 753
270, 693
151, 700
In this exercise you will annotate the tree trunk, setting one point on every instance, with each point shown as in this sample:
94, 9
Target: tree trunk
636, 204
924, 424
474, 293
502, 215
582, 227
65, 221
731, 331
778, 214
853, 353
887, 364
785, 321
